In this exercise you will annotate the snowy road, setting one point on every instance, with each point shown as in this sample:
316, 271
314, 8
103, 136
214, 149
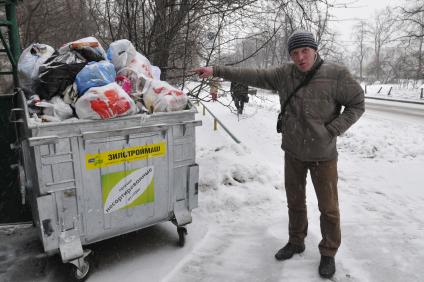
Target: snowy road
412, 113
242, 216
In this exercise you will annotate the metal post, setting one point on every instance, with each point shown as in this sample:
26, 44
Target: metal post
365, 89
379, 90
217, 121
204, 110
421, 96
390, 90
215, 124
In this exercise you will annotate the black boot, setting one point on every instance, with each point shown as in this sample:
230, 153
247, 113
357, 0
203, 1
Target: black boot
327, 267
289, 250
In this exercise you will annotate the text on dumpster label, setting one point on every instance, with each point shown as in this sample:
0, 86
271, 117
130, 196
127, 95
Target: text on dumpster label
130, 154
127, 189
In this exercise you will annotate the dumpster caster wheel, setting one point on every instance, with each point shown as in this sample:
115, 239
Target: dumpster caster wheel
182, 231
81, 274
80, 268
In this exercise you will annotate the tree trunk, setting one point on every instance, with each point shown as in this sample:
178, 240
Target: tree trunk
420, 56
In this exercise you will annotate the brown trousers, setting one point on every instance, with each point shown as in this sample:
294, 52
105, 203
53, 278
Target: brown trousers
324, 178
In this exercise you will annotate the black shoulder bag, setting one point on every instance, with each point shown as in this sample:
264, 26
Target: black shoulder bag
286, 102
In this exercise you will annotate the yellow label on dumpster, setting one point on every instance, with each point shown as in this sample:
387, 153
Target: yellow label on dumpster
130, 154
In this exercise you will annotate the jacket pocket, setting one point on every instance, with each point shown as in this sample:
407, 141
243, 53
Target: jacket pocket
318, 136
320, 143
318, 105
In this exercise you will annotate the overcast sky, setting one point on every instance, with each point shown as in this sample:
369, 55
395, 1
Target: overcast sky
360, 9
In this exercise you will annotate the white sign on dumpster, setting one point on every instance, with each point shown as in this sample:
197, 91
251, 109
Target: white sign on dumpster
127, 189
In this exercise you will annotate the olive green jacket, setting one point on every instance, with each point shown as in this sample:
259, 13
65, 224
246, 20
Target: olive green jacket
314, 118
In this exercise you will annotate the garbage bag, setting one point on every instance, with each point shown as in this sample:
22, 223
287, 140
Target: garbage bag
125, 83
55, 109
140, 65
70, 94
31, 101
121, 53
57, 73
156, 72
160, 96
133, 77
95, 74
105, 102
30, 61
89, 48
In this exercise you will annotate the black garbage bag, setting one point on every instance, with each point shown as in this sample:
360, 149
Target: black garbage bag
89, 48
57, 73
90, 54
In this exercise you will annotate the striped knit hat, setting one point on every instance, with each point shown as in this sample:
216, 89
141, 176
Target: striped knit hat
301, 38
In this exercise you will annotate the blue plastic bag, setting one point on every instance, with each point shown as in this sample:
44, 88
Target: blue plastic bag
95, 74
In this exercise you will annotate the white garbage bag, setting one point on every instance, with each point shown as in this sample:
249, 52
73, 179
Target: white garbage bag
105, 102
55, 109
30, 61
138, 66
156, 72
160, 96
121, 53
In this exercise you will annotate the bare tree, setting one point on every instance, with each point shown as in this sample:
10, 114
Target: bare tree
360, 31
53, 22
177, 34
412, 17
382, 32
267, 44
163, 30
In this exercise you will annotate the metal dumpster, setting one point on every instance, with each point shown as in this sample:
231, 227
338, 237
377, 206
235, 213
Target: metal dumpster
89, 180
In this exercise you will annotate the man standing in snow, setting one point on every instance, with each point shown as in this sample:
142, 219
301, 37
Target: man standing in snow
239, 93
311, 120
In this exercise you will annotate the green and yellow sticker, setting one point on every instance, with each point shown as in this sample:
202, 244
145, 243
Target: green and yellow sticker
108, 158
128, 189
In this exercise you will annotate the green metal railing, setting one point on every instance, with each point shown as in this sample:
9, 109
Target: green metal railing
9, 38
216, 121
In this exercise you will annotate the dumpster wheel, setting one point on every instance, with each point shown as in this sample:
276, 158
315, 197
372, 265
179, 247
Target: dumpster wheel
182, 232
81, 274
80, 268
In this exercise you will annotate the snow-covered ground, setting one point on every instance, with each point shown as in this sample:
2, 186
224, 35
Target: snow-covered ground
242, 217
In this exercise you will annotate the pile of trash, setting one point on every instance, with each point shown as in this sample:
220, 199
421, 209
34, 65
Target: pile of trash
81, 80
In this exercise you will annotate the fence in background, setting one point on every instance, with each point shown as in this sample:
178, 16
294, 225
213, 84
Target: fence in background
216, 121
395, 92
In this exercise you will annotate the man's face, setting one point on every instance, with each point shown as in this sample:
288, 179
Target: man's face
303, 58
